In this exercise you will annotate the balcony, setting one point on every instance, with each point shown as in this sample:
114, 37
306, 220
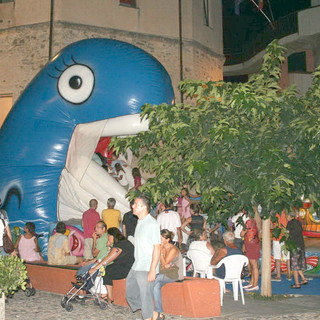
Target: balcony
282, 27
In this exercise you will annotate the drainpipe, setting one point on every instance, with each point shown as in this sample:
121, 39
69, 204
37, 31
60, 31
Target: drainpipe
51, 29
180, 48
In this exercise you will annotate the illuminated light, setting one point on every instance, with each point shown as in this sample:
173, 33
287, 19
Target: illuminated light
133, 103
58, 147
55, 57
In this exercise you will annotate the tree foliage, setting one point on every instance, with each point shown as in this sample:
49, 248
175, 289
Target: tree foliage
13, 274
237, 144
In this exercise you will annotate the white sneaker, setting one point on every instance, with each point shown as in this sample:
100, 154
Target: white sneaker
247, 286
252, 288
276, 279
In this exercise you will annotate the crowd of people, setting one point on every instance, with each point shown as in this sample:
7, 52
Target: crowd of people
147, 250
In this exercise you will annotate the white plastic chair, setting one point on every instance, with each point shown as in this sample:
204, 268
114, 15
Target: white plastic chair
184, 264
131, 239
233, 266
200, 261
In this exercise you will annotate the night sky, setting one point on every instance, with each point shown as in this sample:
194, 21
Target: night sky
243, 28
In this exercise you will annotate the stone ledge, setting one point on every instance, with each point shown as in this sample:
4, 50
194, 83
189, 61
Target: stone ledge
192, 297
51, 278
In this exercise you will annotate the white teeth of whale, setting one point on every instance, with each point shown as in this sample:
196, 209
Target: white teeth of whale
124, 125
101, 187
83, 179
74, 196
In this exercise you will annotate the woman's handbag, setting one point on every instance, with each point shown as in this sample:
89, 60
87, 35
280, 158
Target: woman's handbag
172, 272
7, 244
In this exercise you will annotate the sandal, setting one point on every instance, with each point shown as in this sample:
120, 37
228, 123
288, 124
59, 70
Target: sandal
161, 316
304, 282
295, 286
106, 298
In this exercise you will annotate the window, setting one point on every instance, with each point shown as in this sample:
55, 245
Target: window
297, 62
3, 1
127, 3
206, 12
241, 78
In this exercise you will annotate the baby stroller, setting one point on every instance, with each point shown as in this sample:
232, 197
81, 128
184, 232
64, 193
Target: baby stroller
30, 290
86, 282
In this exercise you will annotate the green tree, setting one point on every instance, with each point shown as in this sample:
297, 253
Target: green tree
237, 144
13, 275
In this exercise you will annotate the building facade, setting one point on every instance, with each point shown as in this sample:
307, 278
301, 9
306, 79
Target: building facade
299, 32
33, 31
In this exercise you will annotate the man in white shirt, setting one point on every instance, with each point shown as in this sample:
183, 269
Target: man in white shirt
147, 241
169, 219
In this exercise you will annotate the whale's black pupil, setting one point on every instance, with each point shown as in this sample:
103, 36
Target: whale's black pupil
75, 82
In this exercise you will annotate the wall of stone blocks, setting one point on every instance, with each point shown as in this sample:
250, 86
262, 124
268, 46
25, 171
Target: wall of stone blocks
25, 50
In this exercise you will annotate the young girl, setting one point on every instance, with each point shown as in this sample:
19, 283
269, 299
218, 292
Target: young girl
184, 205
137, 178
27, 244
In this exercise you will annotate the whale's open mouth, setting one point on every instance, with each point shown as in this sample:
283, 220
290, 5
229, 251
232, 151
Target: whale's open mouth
83, 179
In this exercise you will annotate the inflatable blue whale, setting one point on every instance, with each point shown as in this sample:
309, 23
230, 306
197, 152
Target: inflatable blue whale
92, 88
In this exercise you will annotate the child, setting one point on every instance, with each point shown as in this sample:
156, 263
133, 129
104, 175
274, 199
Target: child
184, 205
137, 178
121, 176
112, 166
27, 244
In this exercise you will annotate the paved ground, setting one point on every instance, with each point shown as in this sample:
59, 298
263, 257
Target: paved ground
47, 306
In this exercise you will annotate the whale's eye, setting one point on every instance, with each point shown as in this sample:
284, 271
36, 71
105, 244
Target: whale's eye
76, 83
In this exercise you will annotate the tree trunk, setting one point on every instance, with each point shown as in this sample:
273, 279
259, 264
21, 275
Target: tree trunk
257, 217
266, 289
2, 308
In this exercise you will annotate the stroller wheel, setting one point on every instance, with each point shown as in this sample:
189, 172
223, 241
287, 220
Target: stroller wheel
69, 307
63, 302
96, 302
28, 292
33, 291
103, 305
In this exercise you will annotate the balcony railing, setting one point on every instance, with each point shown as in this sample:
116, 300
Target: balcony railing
282, 27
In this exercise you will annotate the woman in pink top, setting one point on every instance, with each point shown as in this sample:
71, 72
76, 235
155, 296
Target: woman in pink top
27, 244
184, 203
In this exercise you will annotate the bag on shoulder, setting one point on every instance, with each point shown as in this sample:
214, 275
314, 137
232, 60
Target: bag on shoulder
7, 244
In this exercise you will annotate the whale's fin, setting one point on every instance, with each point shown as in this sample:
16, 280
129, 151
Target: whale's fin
14, 191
